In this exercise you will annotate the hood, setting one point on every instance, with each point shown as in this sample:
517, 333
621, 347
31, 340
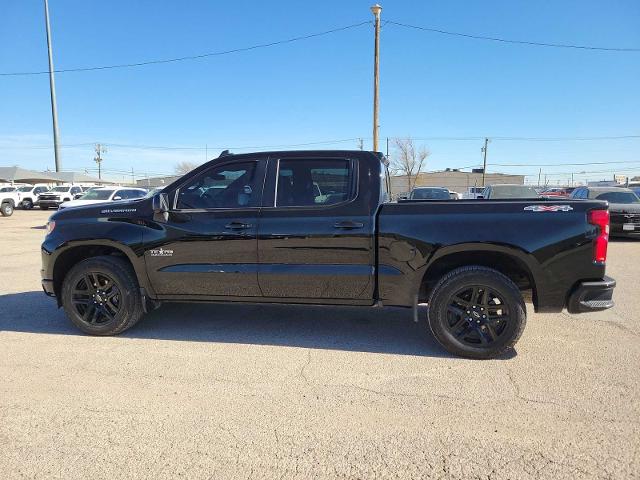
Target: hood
624, 207
96, 209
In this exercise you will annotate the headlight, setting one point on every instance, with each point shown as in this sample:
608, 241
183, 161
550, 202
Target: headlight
51, 224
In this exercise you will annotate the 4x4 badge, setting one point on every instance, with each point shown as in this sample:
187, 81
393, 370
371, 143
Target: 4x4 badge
549, 208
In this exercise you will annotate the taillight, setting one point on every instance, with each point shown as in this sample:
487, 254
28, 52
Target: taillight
600, 218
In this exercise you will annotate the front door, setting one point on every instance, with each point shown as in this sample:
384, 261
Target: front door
316, 237
208, 246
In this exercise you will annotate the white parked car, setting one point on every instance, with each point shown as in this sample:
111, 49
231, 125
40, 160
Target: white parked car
29, 195
104, 195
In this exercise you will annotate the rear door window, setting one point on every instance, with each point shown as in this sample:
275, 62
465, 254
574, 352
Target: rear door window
314, 182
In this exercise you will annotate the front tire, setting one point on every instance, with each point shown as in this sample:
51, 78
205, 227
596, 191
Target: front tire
44, 207
27, 204
476, 312
101, 296
6, 209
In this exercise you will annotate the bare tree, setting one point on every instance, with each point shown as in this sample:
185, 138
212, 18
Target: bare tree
184, 166
408, 160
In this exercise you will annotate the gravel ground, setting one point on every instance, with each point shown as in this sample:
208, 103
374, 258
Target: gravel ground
232, 391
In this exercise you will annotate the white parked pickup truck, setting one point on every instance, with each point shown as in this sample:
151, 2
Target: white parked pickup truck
8, 202
58, 195
29, 195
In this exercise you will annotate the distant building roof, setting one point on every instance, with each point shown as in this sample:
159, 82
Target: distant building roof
17, 174
76, 177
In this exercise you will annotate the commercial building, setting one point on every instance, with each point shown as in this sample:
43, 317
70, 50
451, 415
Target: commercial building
454, 180
157, 181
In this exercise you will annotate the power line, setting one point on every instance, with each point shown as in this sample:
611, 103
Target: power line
519, 42
192, 57
562, 163
326, 142
208, 147
531, 139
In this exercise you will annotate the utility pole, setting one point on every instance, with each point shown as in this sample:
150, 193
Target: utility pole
387, 147
539, 175
206, 152
360, 144
52, 90
376, 9
133, 178
98, 158
484, 165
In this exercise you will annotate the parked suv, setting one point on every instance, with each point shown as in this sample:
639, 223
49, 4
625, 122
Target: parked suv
624, 208
58, 195
29, 195
430, 193
105, 194
504, 191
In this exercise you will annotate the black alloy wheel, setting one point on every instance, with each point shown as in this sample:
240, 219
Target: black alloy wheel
476, 312
101, 295
96, 298
477, 315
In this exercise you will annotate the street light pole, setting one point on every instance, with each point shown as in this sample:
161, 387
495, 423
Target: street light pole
52, 88
376, 9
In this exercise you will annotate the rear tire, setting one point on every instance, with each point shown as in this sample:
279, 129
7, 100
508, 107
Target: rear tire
476, 312
101, 296
27, 204
6, 209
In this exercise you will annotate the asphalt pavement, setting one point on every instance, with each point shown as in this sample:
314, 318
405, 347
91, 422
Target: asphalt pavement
246, 391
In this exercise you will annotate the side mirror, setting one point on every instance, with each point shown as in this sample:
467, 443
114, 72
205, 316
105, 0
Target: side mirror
115, 199
160, 203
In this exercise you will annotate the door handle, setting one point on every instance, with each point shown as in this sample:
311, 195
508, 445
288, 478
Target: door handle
348, 225
237, 226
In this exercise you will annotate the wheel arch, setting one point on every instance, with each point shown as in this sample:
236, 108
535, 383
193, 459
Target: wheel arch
511, 262
77, 252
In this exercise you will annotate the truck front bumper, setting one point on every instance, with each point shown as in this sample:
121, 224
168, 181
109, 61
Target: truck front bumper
47, 286
592, 296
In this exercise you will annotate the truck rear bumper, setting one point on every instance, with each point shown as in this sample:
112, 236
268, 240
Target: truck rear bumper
591, 296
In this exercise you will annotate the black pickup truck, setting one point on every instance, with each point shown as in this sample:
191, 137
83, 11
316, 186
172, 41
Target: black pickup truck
316, 227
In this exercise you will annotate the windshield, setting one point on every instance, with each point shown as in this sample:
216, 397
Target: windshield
513, 191
7, 189
619, 197
60, 189
25, 189
97, 195
430, 194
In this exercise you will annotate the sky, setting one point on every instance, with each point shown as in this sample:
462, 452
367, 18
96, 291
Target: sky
447, 92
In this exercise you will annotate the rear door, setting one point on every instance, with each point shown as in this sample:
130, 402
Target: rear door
208, 244
316, 231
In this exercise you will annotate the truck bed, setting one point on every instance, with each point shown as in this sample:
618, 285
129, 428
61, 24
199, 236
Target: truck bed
550, 241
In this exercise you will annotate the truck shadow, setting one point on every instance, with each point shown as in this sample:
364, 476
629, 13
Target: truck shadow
380, 330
